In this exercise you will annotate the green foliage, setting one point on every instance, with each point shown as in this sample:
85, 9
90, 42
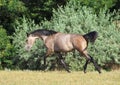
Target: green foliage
13, 5
24, 59
40, 9
5, 50
10, 10
73, 18
97, 5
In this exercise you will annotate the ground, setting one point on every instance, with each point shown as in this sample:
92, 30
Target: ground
59, 78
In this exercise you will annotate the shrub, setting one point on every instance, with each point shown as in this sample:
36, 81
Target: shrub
24, 59
97, 5
9, 11
5, 50
73, 18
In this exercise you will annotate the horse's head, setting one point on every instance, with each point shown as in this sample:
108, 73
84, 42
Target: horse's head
40, 33
30, 41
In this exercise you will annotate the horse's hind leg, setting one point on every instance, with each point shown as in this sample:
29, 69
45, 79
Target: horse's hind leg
90, 59
63, 62
95, 64
85, 66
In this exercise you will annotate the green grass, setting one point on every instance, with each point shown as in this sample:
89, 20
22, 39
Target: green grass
59, 78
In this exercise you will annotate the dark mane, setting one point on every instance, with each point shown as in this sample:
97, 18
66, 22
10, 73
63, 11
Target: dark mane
43, 32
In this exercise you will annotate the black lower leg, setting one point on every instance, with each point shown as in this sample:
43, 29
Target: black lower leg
66, 68
63, 62
44, 63
95, 64
44, 60
85, 66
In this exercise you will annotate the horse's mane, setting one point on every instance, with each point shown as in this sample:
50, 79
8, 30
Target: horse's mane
43, 32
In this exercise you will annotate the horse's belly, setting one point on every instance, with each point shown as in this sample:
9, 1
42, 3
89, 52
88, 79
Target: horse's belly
63, 49
63, 44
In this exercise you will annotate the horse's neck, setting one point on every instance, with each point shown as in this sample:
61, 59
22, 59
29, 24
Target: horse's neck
44, 38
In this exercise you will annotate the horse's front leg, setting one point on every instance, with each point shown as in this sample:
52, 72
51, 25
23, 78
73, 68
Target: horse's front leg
85, 66
95, 64
44, 60
63, 62
46, 55
90, 59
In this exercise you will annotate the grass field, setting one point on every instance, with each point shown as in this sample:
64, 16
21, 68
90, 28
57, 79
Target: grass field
59, 78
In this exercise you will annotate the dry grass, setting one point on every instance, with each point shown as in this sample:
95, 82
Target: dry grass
59, 78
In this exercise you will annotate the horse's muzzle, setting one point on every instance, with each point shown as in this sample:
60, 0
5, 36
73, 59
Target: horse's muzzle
27, 48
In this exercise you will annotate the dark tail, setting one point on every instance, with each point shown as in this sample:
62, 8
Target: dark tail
91, 36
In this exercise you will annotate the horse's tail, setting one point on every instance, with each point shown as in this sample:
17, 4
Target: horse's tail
91, 36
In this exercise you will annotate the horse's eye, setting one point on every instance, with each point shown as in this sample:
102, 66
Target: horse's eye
33, 35
26, 40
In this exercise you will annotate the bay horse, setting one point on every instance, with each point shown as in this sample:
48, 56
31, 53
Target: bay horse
58, 43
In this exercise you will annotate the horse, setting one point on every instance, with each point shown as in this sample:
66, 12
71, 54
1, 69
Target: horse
59, 43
